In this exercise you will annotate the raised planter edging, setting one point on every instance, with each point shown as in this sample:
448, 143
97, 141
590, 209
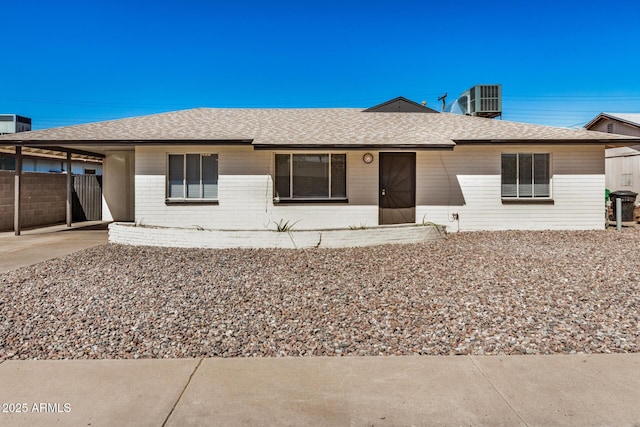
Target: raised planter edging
130, 234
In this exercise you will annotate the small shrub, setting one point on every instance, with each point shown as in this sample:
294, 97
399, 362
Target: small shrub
284, 227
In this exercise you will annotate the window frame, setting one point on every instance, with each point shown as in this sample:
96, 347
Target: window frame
532, 198
320, 199
184, 199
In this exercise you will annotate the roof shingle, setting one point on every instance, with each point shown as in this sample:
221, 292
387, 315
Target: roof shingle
345, 127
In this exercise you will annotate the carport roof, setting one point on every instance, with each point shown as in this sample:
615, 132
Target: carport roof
308, 128
52, 152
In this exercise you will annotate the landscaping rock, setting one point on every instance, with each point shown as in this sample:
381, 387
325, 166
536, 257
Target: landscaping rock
473, 293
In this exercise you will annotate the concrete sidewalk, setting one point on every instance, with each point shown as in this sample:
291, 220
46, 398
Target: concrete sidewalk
325, 391
43, 243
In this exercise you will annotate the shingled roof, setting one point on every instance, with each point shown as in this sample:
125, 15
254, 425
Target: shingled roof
308, 128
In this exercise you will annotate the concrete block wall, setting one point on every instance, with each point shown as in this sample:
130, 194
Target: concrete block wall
44, 197
6, 200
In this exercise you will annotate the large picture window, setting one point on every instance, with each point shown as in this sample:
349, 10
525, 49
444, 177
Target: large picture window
193, 176
526, 175
311, 176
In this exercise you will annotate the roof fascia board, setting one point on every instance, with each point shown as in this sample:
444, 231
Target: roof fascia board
595, 120
352, 147
107, 142
623, 142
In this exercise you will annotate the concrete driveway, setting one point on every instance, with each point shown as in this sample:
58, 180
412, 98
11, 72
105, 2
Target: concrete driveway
44, 243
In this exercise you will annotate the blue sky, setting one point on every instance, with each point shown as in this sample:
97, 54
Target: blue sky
560, 62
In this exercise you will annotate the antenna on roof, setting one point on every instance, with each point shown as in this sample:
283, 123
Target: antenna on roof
443, 98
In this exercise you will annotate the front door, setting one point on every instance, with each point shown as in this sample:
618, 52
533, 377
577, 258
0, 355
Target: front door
397, 192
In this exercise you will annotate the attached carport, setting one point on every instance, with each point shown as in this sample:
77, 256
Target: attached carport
117, 161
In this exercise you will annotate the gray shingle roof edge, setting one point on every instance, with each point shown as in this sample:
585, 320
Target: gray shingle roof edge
310, 128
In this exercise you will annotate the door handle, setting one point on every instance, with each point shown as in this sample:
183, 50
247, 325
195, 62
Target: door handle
384, 192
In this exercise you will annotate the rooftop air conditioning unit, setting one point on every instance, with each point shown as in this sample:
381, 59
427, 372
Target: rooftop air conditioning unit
484, 101
12, 123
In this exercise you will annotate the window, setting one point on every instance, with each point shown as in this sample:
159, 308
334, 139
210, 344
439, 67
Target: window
526, 175
193, 176
7, 162
626, 180
311, 176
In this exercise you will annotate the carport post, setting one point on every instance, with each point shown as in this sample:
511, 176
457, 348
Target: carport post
17, 193
69, 190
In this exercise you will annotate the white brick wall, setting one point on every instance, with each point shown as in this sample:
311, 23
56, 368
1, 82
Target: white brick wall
464, 181
246, 194
474, 190
129, 234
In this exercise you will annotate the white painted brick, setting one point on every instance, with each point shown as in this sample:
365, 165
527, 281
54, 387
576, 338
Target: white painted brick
131, 235
465, 181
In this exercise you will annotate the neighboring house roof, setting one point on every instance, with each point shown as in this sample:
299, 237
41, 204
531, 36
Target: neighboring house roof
400, 105
308, 128
628, 119
632, 119
623, 152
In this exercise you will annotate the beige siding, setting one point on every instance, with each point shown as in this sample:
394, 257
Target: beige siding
618, 127
465, 181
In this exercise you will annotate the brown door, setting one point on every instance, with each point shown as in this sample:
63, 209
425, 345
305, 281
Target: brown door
397, 203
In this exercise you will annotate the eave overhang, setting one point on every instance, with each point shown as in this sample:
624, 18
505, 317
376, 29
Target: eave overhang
622, 142
359, 147
125, 142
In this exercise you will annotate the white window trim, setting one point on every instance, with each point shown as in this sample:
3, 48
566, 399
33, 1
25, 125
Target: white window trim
311, 199
532, 197
200, 199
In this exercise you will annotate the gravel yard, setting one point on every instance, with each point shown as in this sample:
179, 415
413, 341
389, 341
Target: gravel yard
473, 293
